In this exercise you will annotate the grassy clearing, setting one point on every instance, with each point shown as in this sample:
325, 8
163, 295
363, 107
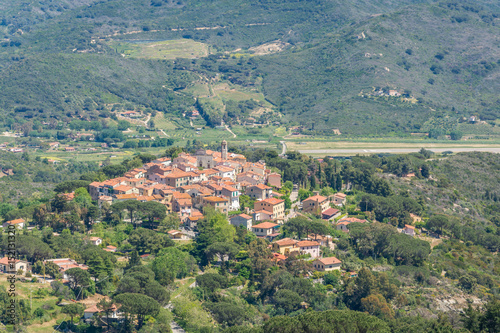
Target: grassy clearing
238, 94
164, 123
199, 89
24, 289
167, 49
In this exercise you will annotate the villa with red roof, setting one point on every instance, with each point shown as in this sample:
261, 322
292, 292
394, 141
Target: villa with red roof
12, 266
18, 223
330, 214
315, 205
409, 230
275, 207
266, 230
307, 246
327, 264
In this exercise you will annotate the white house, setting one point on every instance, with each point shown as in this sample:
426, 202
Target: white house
96, 241
18, 223
311, 247
265, 229
13, 266
409, 230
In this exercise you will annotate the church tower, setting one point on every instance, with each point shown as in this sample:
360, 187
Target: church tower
224, 150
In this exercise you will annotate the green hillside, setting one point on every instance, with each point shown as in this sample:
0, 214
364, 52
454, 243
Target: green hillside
334, 66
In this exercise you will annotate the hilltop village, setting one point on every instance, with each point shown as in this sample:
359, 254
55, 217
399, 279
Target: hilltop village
188, 183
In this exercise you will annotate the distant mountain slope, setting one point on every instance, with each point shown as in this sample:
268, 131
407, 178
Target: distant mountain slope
446, 57
339, 56
239, 23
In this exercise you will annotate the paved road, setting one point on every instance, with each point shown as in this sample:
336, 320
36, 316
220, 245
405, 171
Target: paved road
283, 150
294, 194
396, 150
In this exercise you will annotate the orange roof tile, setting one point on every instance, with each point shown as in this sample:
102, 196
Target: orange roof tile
286, 242
262, 187
330, 261
307, 243
273, 201
131, 196
265, 225
16, 221
279, 256
215, 199
317, 198
123, 188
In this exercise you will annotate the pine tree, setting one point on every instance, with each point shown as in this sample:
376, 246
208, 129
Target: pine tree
109, 266
96, 266
134, 260
338, 183
313, 183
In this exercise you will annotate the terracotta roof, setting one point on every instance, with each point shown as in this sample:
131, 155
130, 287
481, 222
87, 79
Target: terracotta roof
184, 202
330, 261
16, 221
341, 195
273, 201
92, 309
279, 256
409, 227
195, 218
230, 188
317, 198
224, 168
351, 220
126, 196
307, 243
112, 182
286, 242
5, 261
177, 174
330, 211
215, 199
265, 225
179, 195
262, 187
245, 216
123, 188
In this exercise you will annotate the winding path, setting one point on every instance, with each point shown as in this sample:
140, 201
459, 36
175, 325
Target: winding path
283, 150
227, 128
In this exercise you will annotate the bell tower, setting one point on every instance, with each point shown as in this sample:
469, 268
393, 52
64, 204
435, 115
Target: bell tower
224, 150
